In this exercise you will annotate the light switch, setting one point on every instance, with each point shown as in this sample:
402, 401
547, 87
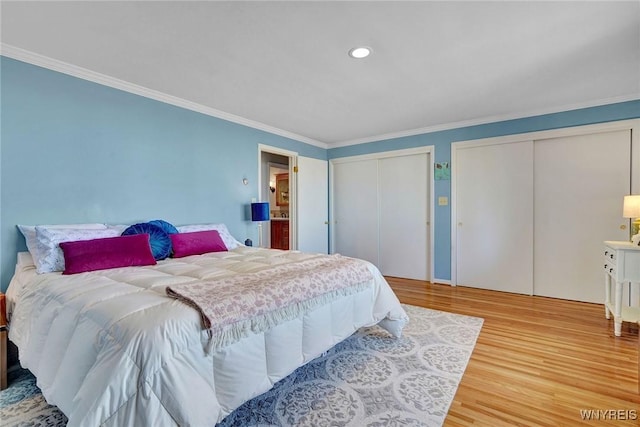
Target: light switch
443, 201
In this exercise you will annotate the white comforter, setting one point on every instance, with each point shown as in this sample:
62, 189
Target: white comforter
110, 348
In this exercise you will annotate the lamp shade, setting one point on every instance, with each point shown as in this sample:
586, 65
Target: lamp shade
631, 207
260, 211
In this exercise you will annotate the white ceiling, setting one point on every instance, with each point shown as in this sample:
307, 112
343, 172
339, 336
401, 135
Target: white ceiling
283, 65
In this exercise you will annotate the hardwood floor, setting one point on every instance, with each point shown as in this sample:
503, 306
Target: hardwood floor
538, 361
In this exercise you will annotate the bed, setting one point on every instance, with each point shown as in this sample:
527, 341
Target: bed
110, 347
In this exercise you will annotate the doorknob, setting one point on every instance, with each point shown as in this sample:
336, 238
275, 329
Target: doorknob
623, 227
460, 224
326, 223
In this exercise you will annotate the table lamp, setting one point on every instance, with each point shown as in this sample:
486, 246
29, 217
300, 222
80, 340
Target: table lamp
631, 209
259, 213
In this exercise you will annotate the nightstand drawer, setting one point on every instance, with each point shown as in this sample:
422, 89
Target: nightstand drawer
610, 269
610, 254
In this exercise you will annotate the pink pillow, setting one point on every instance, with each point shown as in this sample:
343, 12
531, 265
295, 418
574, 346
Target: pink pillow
196, 243
110, 252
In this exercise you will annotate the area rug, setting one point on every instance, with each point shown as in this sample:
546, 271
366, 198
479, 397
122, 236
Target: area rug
370, 379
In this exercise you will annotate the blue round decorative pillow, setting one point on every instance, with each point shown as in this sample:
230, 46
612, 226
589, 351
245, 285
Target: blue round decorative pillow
166, 226
158, 239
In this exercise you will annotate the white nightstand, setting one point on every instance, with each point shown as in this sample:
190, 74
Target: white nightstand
621, 265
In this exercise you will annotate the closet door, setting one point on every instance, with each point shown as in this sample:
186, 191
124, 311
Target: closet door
404, 196
355, 198
494, 217
580, 182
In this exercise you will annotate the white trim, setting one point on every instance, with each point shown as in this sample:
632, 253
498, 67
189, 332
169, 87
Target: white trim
453, 235
632, 124
105, 80
383, 154
432, 212
276, 150
552, 133
635, 159
293, 202
486, 120
73, 70
428, 149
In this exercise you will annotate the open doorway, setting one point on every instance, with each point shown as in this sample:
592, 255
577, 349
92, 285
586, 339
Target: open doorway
279, 204
277, 186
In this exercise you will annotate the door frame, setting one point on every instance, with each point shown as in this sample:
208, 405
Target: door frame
263, 188
633, 125
428, 149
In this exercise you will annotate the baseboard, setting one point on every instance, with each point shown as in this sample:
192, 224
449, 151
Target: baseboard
442, 282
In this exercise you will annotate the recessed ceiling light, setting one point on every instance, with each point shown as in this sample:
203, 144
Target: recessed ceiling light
360, 52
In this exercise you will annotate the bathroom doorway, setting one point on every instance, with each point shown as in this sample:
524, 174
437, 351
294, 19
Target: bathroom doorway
279, 205
277, 186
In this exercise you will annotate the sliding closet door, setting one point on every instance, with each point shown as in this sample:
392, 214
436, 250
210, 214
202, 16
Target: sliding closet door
494, 217
404, 196
355, 198
580, 182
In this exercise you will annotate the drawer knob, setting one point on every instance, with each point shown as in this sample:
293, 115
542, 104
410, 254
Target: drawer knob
611, 270
611, 256
606, 253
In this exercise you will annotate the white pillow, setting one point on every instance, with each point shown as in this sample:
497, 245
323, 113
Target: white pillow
118, 227
50, 257
229, 241
29, 233
25, 260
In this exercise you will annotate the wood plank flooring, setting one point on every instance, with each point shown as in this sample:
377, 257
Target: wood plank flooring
538, 361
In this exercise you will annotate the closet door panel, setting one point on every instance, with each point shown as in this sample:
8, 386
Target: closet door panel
494, 217
404, 196
355, 196
580, 182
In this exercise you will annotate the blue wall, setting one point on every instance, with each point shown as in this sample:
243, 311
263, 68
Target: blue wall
442, 142
73, 151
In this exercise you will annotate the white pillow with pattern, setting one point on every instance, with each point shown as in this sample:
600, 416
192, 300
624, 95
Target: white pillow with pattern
29, 233
49, 255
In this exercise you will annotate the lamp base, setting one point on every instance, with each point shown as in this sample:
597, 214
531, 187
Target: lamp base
635, 232
635, 226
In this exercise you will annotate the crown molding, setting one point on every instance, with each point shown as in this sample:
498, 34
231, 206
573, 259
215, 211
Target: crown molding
486, 120
103, 79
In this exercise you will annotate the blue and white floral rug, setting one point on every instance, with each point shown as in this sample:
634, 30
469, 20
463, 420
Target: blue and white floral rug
370, 379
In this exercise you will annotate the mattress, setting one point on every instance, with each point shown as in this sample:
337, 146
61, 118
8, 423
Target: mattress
111, 348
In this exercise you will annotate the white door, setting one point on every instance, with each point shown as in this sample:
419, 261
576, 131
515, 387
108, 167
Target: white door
313, 205
579, 184
404, 196
494, 217
355, 199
